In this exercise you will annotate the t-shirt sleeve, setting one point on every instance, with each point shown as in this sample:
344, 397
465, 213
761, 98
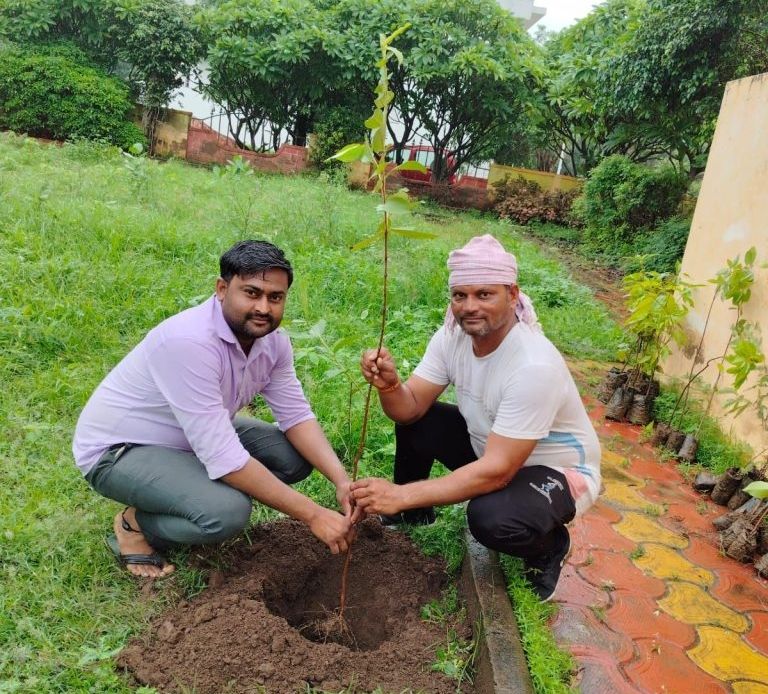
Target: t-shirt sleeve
284, 393
188, 376
434, 366
530, 402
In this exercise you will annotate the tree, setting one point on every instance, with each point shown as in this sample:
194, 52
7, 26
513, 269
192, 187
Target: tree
645, 78
151, 43
159, 44
267, 65
669, 79
568, 115
466, 83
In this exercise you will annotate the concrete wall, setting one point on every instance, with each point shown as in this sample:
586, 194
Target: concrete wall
731, 216
548, 181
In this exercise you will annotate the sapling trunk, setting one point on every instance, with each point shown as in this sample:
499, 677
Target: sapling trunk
691, 377
374, 151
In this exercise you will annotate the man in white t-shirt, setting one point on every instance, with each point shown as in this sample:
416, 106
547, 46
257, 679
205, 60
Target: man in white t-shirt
519, 443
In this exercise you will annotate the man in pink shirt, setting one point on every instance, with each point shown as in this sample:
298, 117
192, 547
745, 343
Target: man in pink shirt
161, 432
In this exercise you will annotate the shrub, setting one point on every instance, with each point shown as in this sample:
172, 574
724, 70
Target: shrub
51, 94
335, 128
621, 199
662, 247
524, 201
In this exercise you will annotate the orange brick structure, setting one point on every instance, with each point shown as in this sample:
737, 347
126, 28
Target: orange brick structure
206, 146
467, 193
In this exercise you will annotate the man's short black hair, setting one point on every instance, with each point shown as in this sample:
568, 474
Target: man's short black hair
248, 258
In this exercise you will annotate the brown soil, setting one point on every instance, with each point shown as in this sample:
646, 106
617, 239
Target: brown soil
268, 623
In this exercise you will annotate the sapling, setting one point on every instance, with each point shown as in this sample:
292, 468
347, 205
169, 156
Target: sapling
374, 151
657, 303
734, 284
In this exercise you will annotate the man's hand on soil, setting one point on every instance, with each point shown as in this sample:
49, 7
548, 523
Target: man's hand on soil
375, 495
332, 528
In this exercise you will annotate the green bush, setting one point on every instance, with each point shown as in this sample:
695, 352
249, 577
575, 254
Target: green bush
524, 201
336, 127
662, 247
51, 94
622, 199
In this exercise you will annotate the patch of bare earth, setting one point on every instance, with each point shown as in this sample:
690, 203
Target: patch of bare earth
268, 623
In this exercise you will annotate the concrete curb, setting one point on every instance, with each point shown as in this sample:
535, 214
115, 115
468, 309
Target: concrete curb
500, 664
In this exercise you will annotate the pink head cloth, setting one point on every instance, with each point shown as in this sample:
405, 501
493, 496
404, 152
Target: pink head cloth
484, 261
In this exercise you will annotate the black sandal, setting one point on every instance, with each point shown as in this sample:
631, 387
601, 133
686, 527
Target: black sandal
154, 559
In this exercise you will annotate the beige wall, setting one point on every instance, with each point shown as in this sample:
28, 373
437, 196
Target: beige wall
548, 181
731, 215
171, 134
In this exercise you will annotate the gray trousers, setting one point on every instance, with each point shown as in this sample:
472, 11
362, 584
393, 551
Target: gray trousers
176, 502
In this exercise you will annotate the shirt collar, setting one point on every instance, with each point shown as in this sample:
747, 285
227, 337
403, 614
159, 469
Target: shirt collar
220, 324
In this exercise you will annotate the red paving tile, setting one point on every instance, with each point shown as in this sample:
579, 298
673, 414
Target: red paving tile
574, 590
652, 469
599, 533
705, 553
739, 588
598, 673
664, 667
580, 547
625, 643
577, 628
628, 432
618, 571
671, 491
758, 634
640, 617
683, 518
606, 512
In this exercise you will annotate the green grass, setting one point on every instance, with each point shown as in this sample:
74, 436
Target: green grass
551, 669
96, 249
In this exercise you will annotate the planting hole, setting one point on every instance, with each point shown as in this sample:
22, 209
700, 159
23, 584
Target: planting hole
313, 609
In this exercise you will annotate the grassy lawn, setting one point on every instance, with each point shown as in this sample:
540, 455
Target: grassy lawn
95, 249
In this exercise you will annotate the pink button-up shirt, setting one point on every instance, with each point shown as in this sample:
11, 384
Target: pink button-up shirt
182, 385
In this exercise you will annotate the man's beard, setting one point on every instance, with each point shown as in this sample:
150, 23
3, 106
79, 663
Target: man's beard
245, 330
479, 329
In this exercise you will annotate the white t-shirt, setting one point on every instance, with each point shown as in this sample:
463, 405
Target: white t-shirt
522, 390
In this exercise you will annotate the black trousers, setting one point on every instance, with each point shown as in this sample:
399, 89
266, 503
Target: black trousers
521, 519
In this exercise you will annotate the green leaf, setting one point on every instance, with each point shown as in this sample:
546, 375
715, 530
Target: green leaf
376, 120
317, 329
412, 165
395, 206
350, 153
759, 490
368, 241
413, 234
750, 256
391, 50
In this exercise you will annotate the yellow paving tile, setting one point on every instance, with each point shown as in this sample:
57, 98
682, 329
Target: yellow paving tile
692, 605
626, 496
642, 528
613, 467
724, 655
749, 687
662, 562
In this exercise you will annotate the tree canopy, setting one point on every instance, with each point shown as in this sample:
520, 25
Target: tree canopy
644, 78
152, 43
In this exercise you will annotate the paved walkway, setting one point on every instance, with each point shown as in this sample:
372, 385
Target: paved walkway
647, 602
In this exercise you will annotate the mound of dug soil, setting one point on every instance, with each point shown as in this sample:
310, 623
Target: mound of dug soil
269, 623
